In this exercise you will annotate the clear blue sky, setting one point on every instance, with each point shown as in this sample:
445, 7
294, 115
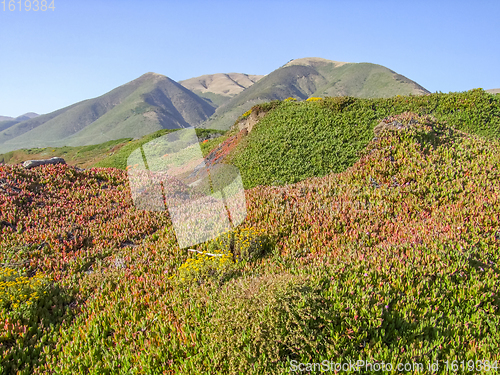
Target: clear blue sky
84, 49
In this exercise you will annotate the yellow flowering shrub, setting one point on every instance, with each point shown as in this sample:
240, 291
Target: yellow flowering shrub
247, 113
203, 267
313, 99
224, 252
246, 244
17, 290
290, 99
250, 244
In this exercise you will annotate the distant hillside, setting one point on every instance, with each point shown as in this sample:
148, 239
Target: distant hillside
316, 77
145, 105
219, 88
111, 154
24, 117
27, 116
493, 91
7, 122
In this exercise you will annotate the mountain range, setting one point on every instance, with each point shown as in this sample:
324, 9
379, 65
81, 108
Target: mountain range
142, 106
153, 102
24, 117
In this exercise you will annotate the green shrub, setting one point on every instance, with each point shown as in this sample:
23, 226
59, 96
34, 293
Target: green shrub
31, 311
337, 103
247, 244
262, 322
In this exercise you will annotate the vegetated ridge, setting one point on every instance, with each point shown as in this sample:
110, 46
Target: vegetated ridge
293, 141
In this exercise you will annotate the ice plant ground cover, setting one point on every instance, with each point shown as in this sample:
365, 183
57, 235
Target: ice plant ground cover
395, 259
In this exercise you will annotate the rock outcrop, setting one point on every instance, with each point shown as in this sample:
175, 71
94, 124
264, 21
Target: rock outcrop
35, 163
249, 122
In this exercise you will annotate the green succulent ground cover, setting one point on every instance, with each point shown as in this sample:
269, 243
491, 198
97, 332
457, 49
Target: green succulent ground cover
297, 140
395, 259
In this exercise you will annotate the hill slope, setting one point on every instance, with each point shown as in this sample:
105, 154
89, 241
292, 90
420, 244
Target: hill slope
297, 140
303, 78
219, 88
147, 104
111, 154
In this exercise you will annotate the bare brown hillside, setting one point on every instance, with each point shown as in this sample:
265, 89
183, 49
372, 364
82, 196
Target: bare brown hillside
230, 84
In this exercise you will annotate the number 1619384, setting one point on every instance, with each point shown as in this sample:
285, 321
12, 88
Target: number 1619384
27, 5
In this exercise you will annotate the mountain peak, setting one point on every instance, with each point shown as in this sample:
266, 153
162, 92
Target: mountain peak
314, 62
152, 76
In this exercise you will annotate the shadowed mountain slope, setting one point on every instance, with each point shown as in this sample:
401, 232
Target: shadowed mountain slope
145, 105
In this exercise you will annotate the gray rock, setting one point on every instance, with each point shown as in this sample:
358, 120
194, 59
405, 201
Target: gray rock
35, 163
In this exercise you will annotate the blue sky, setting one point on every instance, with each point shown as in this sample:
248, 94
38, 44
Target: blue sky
84, 49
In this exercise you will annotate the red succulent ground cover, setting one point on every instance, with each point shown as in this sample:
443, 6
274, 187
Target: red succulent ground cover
221, 152
65, 216
390, 205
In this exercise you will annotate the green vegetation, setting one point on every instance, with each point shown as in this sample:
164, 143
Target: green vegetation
119, 159
112, 154
395, 259
82, 156
295, 141
30, 310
